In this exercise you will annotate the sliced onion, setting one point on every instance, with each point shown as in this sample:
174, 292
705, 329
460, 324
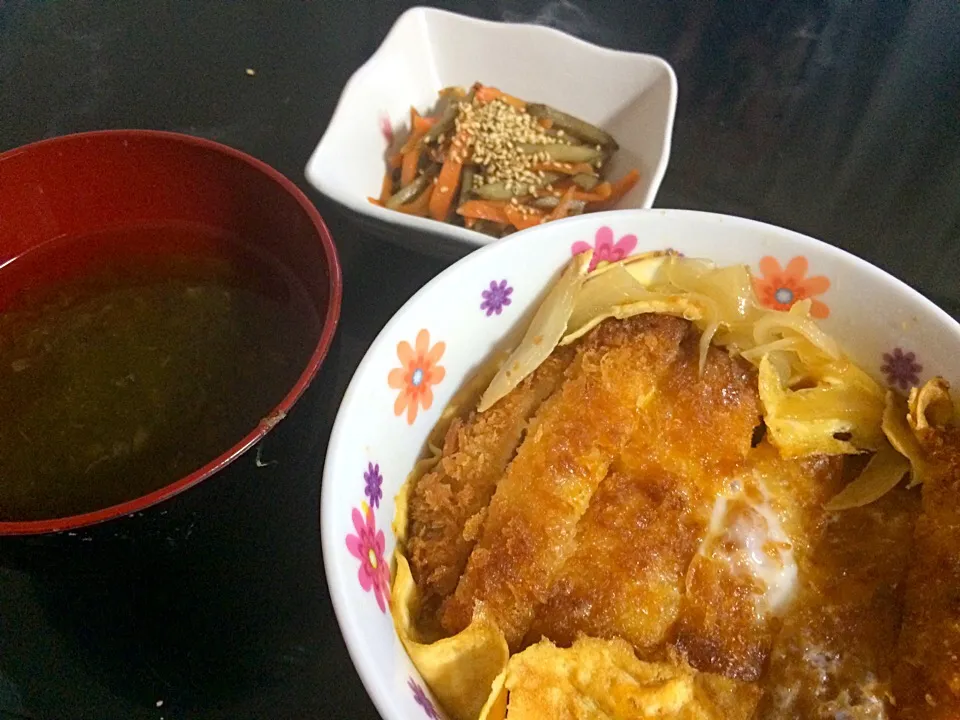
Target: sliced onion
676, 305
881, 475
545, 331
930, 406
771, 327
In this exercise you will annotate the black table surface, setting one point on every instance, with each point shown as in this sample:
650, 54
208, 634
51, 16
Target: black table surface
840, 120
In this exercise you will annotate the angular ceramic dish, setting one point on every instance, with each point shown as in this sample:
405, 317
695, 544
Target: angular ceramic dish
457, 319
633, 96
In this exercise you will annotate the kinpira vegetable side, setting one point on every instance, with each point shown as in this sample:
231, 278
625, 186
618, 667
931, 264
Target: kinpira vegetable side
497, 164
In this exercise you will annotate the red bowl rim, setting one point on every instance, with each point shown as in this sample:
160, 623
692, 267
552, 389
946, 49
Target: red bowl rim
328, 330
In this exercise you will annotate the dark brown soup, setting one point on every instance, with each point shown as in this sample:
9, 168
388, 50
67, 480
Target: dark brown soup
131, 358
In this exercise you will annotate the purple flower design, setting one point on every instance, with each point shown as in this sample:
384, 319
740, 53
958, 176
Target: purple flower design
422, 700
373, 480
902, 369
496, 297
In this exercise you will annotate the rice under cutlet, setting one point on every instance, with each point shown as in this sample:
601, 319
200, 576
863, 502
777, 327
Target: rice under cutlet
744, 574
531, 523
447, 505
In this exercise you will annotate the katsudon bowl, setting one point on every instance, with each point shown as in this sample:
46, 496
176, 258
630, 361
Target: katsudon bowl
448, 330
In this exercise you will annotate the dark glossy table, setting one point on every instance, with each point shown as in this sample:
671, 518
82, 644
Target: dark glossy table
841, 120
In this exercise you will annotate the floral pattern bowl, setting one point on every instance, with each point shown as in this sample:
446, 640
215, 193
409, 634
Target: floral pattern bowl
631, 95
439, 336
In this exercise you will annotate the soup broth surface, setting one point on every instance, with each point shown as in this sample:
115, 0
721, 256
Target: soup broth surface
131, 358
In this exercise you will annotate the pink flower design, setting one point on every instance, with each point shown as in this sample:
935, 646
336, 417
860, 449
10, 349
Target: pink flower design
386, 129
367, 546
604, 248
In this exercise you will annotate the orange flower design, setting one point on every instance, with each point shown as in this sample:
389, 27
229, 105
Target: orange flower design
416, 376
780, 288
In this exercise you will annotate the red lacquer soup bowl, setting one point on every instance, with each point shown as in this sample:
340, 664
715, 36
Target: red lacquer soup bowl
71, 205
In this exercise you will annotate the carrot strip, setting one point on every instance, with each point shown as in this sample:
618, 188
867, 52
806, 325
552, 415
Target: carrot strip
522, 219
422, 124
386, 189
374, 201
561, 210
600, 193
418, 128
485, 94
618, 189
469, 222
565, 168
420, 205
483, 210
408, 171
545, 123
448, 181
395, 161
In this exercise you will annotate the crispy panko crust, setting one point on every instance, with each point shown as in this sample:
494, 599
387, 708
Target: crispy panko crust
927, 676
650, 513
530, 528
835, 652
448, 504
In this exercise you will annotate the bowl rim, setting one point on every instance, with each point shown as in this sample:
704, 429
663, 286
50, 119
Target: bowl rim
373, 683
472, 238
328, 328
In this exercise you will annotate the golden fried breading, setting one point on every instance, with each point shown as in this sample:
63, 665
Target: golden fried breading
626, 578
447, 504
927, 676
834, 654
531, 523
700, 423
744, 574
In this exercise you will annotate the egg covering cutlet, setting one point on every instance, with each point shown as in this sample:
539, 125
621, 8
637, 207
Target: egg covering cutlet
927, 677
744, 574
833, 655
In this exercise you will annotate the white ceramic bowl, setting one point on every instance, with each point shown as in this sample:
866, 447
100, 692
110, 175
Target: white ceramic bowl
888, 328
631, 95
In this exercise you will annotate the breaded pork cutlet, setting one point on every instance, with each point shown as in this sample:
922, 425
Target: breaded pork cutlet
927, 676
530, 528
447, 505
744, 575
835, 651
626, 578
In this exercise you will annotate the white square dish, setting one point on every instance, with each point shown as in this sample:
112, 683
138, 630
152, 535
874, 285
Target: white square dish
631, 95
